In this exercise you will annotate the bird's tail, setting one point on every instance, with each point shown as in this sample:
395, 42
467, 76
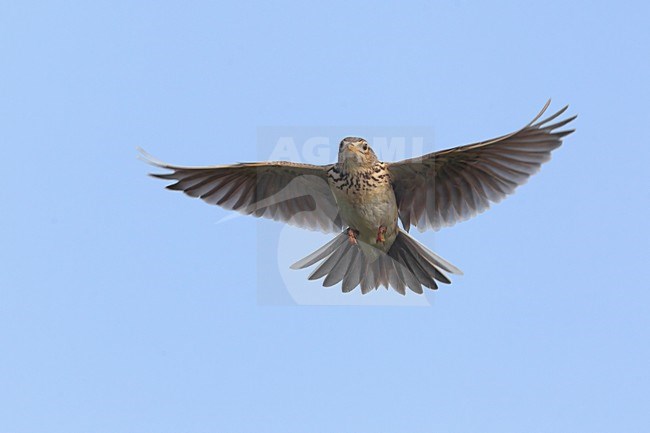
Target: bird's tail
407, 264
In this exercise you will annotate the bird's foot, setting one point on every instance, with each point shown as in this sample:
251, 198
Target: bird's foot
380, 234
352, 234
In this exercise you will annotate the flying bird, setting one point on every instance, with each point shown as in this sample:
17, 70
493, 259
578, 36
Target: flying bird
362, 198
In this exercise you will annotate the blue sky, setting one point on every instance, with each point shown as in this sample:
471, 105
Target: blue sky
128, 308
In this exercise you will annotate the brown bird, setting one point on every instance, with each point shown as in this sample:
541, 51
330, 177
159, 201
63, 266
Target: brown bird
362, 198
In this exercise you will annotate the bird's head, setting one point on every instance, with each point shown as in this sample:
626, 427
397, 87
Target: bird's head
355, 153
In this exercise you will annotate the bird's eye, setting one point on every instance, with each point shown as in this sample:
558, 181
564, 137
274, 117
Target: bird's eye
365, 147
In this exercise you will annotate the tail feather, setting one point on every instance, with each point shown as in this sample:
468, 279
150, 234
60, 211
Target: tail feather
367, 282
416, 268
327, 265
330, 259
395, 280
408, 264
432, 257
340, 268
430, 269
409, 279
353, 275
320, 253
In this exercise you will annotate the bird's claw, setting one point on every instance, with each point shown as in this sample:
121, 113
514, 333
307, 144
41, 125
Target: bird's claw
352, 234
380, 234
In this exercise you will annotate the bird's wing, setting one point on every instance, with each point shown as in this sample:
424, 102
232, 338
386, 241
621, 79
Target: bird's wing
297, 194
442, 188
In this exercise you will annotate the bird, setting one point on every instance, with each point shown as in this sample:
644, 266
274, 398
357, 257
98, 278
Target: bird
363, 200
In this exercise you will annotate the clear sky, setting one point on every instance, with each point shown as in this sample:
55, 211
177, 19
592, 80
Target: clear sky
128, 308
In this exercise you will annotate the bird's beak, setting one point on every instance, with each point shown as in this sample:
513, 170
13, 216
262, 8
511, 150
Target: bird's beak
352, 148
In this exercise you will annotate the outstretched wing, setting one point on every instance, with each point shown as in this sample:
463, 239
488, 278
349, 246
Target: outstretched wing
296, 194
442, 188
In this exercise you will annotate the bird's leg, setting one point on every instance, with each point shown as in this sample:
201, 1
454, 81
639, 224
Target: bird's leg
380, 234
352, 234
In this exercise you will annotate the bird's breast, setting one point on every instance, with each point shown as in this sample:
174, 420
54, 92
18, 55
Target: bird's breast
366, 201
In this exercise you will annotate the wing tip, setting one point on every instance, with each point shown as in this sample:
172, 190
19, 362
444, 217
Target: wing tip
541, 112
536, 123
150, 159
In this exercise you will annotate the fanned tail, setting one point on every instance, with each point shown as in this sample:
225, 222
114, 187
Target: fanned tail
408, 264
